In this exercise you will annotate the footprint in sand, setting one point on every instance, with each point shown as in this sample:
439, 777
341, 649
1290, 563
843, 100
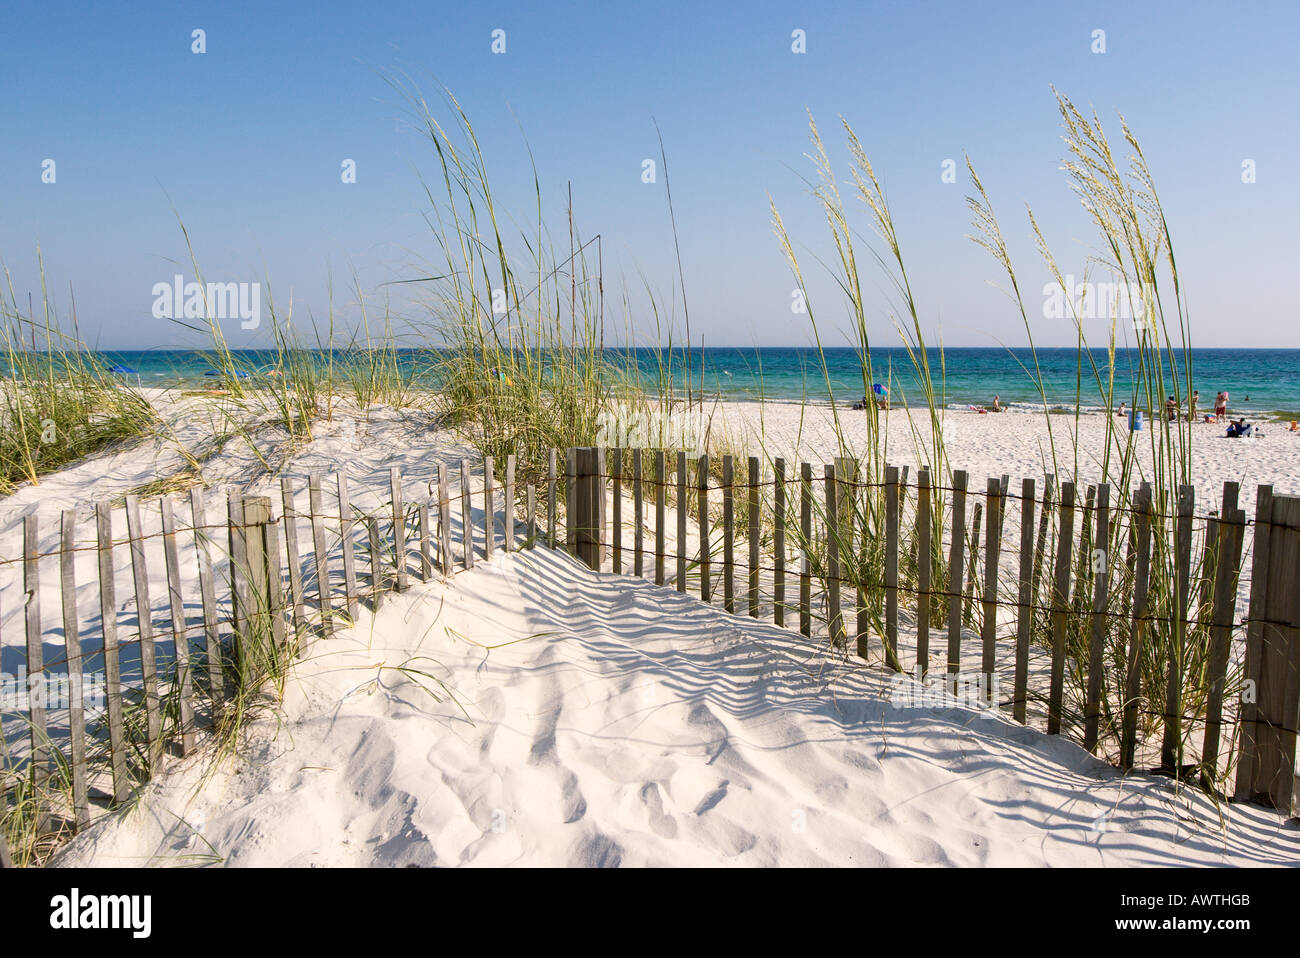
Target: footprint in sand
661, 823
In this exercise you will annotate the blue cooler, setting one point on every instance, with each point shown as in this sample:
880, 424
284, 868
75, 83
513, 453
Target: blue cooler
1135, 420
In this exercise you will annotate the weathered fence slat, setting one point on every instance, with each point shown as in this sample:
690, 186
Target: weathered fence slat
347, 526
112, 655
728, 534
586, 505
924, 548
399, 527
40, 757
1040, 547
293, 552
570, 500
616, 530
466, 513
184, 676
1171, 746
638, 515
1099, 562
76, 674
661, 504
376, 564
489, 507
891, 568
274, 584
993, 495
969, 594
1024, 598
1227, 564
1138, 625
778, 544
550, 496
508, 506
682, 511
1061, 608
324, 601
253, 652
426, 541
532, 515
956, 564
835, 616
753, 516
1249, 708
446, 561
208, 597
1273, 660
144, 617
702, 481
805, 549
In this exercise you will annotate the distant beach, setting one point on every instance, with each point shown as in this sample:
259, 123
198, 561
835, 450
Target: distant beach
1262, 383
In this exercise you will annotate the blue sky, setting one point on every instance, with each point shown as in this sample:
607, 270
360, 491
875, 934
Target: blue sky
246, 140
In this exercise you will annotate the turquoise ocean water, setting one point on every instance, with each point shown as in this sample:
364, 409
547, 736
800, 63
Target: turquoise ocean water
1261, 382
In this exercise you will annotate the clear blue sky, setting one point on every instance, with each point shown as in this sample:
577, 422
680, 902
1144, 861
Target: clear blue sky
246, 142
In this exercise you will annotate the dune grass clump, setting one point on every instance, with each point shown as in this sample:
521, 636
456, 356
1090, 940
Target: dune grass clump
1135, 252
58, 401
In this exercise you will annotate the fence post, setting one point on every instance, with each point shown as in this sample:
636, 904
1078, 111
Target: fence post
399, 522
1266, 768
257, 514
585, 505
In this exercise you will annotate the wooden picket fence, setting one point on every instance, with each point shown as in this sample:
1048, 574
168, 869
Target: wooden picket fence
1250, 735
266, 592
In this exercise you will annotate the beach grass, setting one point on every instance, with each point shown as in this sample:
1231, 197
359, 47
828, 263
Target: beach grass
58, 400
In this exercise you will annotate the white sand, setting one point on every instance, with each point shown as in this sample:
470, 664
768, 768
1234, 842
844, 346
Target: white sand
608, 721
613, 722
1017, 444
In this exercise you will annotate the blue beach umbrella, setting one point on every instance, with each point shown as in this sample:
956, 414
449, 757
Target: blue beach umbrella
117, 369
879, 390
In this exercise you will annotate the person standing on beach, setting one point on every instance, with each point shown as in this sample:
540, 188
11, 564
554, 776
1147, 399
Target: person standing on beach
1221, 406
1191, 412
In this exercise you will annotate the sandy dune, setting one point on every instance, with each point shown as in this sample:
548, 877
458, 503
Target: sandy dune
602, 721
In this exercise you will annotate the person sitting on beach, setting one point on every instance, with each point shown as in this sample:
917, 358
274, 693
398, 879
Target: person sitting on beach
997, 405
1238, 428
1120, 410
1221, 406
